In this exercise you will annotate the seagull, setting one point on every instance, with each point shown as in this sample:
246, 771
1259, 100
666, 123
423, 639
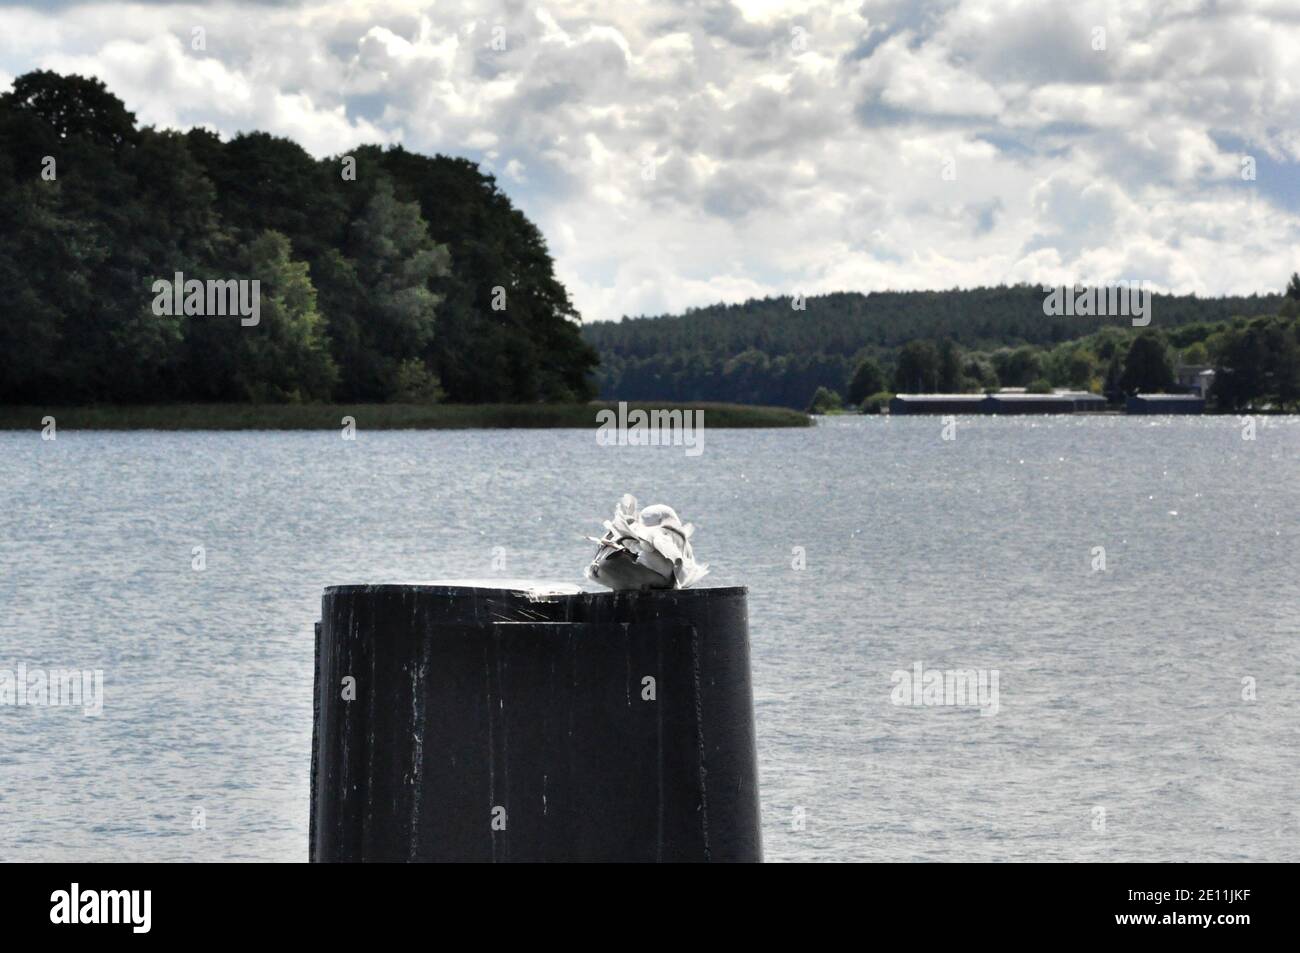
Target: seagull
646, 550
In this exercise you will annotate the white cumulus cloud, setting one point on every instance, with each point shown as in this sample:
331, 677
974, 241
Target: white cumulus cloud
676, 153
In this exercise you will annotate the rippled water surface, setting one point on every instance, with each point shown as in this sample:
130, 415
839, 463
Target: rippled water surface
1121, 733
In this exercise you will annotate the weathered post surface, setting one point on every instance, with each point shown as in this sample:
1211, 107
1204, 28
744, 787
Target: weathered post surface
463, 723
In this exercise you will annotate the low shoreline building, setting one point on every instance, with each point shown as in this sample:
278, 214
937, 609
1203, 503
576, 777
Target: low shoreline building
1165, 404
1017, 401
1008, 401
937, 404
1027, 404
1086, 401
1195, 378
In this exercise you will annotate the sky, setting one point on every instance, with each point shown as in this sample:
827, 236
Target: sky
678, 153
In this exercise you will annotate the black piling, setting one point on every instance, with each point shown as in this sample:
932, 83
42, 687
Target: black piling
459, 723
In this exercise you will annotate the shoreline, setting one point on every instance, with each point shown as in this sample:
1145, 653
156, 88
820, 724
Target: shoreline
377, 416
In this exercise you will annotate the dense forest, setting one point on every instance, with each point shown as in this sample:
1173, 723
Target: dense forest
846, 348
384, 275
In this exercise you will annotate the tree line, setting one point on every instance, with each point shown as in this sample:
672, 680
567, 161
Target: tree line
385, 275
847, 348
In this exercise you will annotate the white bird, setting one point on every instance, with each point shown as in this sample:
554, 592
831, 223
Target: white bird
646, 550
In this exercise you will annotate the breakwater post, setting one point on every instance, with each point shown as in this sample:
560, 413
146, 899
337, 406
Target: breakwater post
467, 723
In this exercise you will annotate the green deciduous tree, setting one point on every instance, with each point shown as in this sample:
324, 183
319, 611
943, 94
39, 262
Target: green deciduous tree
72, 108
951, 380
917, 371
286, 355
1147, 367
395, 262
1018, 367
824, 401
507, 329
868, 379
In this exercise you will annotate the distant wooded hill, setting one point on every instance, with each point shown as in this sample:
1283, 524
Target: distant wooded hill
767, 352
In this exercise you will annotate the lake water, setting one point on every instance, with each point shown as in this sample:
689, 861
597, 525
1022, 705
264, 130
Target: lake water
1128, 725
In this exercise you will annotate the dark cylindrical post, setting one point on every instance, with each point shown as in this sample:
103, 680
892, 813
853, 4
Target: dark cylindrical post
459, 723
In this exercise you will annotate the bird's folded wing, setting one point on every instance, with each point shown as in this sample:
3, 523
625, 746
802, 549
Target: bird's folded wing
667, 543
